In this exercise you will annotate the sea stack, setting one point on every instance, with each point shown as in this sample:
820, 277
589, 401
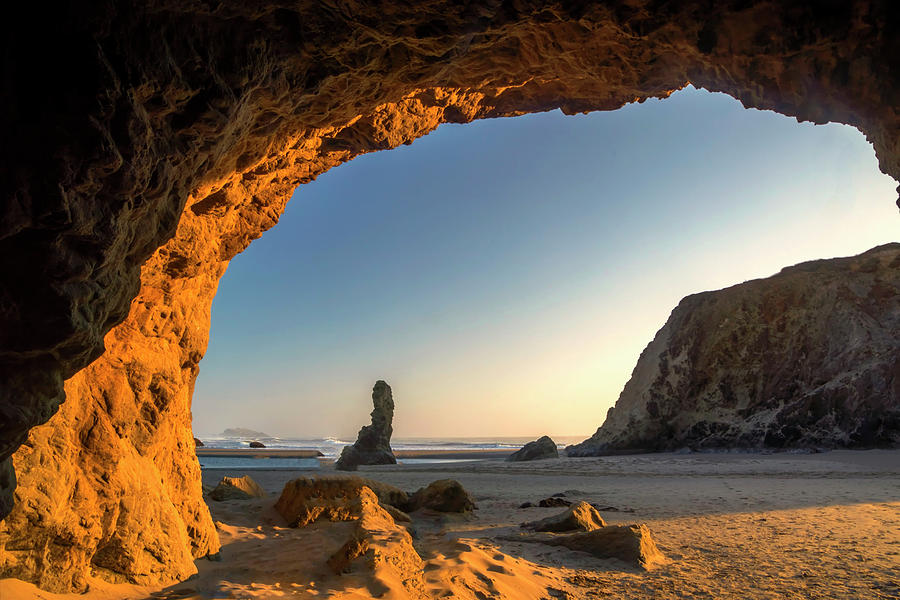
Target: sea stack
373, 444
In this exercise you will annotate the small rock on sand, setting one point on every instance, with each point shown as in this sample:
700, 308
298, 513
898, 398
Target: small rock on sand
543, 447
580, 517
237, 488
444, 495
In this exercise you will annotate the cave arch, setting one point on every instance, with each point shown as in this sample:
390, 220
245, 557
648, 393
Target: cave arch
150, 145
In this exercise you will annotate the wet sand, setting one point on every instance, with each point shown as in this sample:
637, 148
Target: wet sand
733, 526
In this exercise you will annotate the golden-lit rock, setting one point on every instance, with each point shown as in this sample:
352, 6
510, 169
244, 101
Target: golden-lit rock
237, 488
805, 358
381, 548
305, 500
183, 129
632, 544
579, 517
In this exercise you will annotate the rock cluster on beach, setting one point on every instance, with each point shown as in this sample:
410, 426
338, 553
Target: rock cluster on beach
809, 357
543, 447
373, 444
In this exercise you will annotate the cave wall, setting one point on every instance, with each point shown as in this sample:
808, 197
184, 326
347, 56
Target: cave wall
147, 145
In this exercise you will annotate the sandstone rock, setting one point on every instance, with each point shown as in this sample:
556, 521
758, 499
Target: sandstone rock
444, 495
579, 517
543, 447
198, 443
305, 500
237, 488
632, 544
122, 206
381, 548
809, 357
373, 444
257, 445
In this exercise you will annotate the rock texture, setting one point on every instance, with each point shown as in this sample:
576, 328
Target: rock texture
444, 495
381, 548
373, 444
807, 358
147, 144
580, 517
305, 500
543, 447
632, 544
237, 488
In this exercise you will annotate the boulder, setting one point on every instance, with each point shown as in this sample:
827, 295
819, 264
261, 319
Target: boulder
543, 447
237, 488
580, 517
553, 502
444, 495
373, 444
632, 544
257, 445
305, 500
198, 443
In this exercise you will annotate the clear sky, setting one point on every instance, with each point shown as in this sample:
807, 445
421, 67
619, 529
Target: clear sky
503, 276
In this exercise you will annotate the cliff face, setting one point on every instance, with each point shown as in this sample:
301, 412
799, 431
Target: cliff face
148, 143
807, 358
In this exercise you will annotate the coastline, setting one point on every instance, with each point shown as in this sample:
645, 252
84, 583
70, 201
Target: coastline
275, 453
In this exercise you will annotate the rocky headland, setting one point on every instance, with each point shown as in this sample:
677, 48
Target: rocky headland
807, 358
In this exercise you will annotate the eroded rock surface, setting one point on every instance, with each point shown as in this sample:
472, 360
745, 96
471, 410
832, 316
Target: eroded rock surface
182, 130
632, 544
543, 447
381, 548
809, 357
305, 500
579, 517
443, 495
373, 444
237, 488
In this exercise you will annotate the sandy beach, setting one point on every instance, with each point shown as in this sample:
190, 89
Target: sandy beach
730, 525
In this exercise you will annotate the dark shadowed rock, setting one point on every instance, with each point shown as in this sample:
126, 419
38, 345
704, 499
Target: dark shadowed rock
198, 443
807, 358
631, 544
579, 517
257, 445
373, 444
444, 495
237, 488
553, 501
542, 447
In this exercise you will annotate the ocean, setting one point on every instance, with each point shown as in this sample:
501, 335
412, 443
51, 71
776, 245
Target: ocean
331, 448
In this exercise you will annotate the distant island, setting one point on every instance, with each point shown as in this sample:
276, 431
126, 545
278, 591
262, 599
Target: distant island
243, 432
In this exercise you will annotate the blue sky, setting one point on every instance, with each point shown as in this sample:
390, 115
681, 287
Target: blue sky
503, 276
